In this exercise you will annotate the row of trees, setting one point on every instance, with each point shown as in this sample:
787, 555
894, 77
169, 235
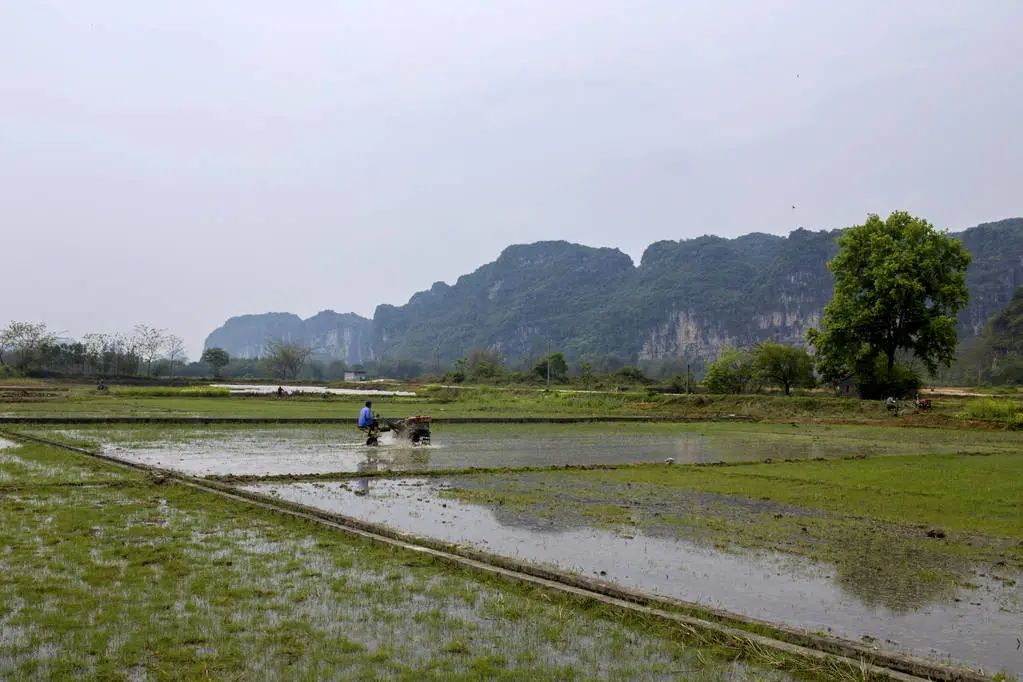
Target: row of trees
769, 363
28, 346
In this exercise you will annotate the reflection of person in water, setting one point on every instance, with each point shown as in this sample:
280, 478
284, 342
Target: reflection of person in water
361, 485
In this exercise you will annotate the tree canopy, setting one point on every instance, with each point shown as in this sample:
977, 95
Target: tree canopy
22, 343
732, 372
782, 365
217, 358
898, 286
285, 359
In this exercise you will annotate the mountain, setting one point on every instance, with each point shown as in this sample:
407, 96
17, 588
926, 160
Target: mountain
996, 356
332, 336
685, 299
531, 294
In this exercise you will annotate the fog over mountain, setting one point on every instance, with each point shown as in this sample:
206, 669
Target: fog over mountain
175, 164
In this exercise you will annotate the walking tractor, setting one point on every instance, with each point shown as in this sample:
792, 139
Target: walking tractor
411, 430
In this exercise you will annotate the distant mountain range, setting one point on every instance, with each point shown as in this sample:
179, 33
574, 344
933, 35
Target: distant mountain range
685, 299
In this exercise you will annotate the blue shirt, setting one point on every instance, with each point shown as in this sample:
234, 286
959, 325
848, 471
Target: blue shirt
365, 417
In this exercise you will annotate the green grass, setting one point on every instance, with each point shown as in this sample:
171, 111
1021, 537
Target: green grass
979, 494
466, 402
868, 519
108, 575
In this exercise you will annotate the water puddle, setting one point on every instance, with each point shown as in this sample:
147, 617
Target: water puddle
981, 630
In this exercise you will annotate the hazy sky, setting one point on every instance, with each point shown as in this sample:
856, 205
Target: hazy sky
178, 163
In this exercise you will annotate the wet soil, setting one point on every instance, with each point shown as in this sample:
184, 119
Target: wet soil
280, 450
975, 624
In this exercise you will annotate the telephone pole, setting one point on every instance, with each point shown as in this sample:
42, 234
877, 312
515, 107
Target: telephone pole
548, 363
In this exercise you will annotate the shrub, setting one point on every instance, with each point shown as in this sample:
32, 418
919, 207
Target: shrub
994, 410
732, 372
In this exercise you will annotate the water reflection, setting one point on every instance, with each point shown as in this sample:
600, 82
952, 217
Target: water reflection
762, 584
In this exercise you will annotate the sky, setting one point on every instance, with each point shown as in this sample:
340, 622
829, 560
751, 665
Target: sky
175, 164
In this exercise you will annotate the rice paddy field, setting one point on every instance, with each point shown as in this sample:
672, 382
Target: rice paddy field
901, 537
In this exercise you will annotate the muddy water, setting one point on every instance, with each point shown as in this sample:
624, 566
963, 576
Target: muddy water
980, 630
322, 449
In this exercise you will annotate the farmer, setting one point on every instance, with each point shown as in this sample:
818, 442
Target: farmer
366, 420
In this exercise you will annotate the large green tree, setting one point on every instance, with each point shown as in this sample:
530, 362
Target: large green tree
898, 286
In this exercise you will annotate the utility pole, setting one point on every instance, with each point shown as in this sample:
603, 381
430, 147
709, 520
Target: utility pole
548, 363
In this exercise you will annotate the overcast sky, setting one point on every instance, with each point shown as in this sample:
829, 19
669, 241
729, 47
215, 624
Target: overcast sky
179, 163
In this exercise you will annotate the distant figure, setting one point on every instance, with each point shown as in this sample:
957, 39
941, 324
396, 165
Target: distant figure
890, 404
101, 386
280, 391
366, 420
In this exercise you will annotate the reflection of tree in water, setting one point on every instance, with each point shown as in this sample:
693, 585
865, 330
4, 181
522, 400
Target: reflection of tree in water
882, 569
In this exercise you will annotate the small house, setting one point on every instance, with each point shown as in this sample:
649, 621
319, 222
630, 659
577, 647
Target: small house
355, 375
847, 387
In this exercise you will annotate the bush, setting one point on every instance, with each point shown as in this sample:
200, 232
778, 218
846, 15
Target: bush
991, 409
8, 372
732, 372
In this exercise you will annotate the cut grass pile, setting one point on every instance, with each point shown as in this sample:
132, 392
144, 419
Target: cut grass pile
106, 574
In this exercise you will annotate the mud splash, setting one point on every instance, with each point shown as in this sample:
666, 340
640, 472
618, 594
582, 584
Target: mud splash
979, 630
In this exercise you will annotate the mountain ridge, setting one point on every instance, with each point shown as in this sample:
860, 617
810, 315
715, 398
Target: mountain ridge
684, 299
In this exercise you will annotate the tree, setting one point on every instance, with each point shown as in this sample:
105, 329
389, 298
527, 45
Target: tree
732, 372
174, 348
483, 363
554, 364
217, 358
782, 365
147, 342
23, 343
285, 359
898, 286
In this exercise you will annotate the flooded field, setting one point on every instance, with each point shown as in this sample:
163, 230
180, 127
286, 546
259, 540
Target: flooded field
903, 538
270, 389
975, 625
274, 450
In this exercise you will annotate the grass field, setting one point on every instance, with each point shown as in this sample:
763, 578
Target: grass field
109, 575
84, 401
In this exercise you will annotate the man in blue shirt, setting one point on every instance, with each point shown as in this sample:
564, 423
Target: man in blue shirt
366, 419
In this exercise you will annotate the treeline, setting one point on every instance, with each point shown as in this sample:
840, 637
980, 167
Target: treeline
32, 348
